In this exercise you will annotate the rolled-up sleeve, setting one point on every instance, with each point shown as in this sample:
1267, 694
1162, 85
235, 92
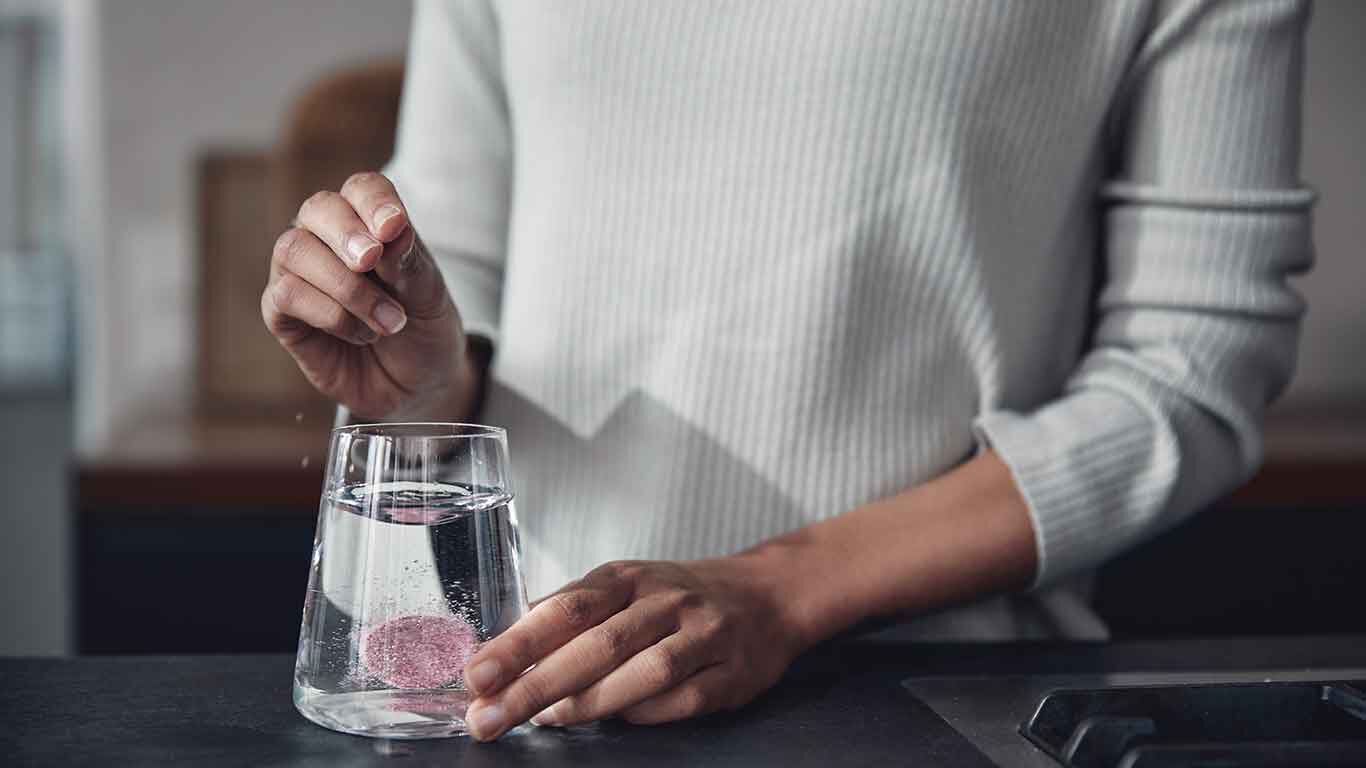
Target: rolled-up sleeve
453, 154
1196, 327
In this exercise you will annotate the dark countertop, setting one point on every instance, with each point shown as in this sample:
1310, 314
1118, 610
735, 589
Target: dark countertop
840, 705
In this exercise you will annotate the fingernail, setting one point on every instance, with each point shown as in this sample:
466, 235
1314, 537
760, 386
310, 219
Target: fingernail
384, 213
482, 676
390, 317
366, 336
358, 245
485, 721
546, 717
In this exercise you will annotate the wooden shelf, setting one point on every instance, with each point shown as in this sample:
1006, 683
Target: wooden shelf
185, 461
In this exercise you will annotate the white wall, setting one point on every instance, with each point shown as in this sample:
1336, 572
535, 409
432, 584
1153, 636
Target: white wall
178, 77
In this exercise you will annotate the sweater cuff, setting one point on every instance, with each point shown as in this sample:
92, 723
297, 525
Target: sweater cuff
1095, 470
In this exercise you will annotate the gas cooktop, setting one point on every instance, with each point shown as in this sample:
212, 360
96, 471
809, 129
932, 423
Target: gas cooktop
1154, 720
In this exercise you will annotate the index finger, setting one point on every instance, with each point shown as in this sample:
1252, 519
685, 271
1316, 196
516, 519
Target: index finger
377, 203
551, 624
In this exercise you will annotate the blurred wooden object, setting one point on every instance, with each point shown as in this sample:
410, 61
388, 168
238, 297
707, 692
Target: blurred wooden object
342, 124
241, 368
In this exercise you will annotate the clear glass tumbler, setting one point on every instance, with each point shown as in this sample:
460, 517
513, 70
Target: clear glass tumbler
416, 562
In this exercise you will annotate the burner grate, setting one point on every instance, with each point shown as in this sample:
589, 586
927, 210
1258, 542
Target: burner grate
1321, 724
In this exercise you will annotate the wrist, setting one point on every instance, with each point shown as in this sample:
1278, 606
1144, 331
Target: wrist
459, 394
798, 580
959, 537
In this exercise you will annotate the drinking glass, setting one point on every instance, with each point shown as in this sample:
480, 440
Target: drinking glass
416, 563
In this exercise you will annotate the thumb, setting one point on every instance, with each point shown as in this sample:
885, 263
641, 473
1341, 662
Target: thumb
410, 274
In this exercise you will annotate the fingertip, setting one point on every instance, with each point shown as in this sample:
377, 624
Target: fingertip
484, 721
482, 677
362, 252
388, 222
546, 718
390, 317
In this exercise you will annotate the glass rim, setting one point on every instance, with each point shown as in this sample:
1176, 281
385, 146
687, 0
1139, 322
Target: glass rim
456, 430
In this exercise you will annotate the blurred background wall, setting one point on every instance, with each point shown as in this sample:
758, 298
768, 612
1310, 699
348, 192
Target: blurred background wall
1333, 356
145, 85
177, 77
148, 87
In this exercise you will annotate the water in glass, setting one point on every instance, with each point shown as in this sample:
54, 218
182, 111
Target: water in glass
415, 565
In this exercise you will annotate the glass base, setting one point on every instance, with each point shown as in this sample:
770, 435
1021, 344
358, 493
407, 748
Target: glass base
387, 714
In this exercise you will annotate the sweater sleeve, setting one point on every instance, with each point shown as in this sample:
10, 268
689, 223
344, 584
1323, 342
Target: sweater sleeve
1196, 325
453, 154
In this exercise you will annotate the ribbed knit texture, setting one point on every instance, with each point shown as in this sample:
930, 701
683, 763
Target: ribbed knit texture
749, 264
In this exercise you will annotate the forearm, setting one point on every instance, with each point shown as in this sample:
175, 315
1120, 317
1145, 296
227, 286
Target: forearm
961, 536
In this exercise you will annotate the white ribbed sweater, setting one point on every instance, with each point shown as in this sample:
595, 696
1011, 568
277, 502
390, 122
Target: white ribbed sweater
749, 264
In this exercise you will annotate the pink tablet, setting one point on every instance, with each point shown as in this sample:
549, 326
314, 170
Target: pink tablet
419, 651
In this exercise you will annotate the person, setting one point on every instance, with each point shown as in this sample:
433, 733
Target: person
803, 314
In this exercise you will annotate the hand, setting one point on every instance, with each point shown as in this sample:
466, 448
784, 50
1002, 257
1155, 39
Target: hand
359, 303
647, 641
658, 641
